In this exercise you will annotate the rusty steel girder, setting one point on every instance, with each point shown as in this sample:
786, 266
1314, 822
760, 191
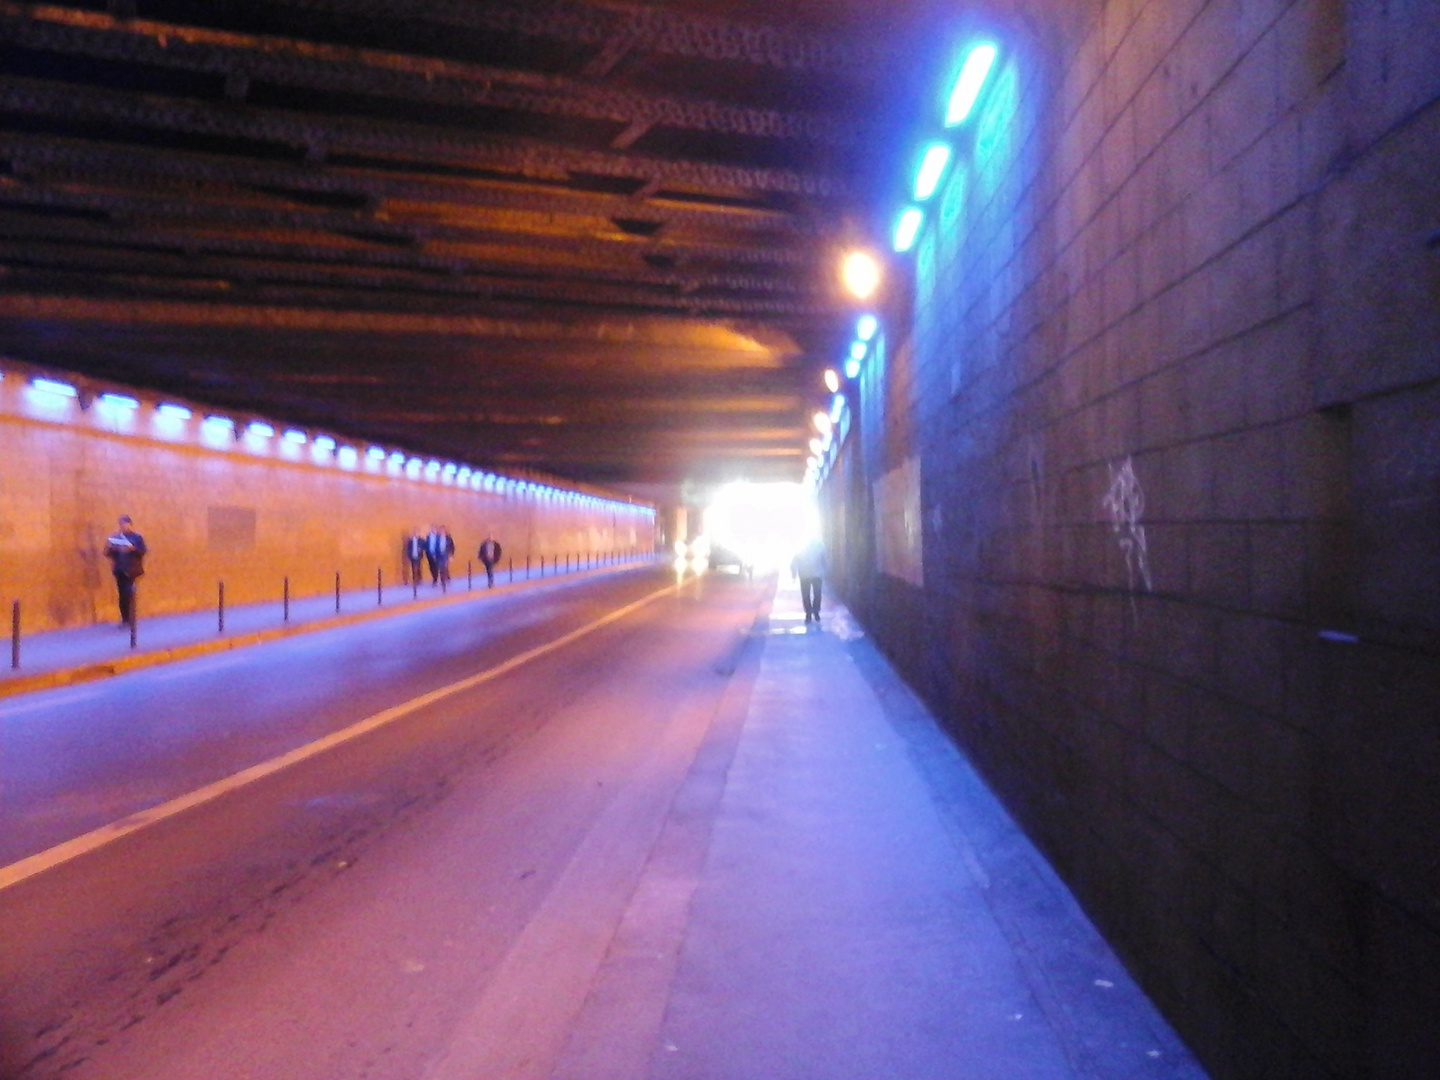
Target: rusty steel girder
617, 248
636, 26
248, 58
353, 135
43, 156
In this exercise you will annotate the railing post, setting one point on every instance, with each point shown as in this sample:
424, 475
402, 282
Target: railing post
287, 599
379, 587
220, 629
527, 567
337, 590
469, 576
512, 571
134, 618
15, 634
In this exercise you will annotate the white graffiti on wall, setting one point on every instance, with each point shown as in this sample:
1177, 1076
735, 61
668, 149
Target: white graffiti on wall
1125, 502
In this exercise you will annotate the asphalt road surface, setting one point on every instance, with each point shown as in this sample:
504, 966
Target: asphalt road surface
449, 860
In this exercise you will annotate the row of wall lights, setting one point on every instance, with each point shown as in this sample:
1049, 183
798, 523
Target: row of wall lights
935, 158
217, 425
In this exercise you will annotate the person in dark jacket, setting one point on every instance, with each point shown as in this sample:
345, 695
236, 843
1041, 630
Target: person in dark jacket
433, 545
489, 555
809, 565
414, 552
126, 551
444, 552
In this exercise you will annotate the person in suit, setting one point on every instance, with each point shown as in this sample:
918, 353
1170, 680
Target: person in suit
414, 549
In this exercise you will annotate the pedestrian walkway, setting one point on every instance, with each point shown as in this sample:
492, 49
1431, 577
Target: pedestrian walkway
859, 907
76, 654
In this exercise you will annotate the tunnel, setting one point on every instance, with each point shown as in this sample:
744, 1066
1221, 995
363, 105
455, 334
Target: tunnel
1101, 340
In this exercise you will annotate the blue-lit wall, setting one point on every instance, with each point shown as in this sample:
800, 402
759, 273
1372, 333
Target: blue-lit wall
1167, 355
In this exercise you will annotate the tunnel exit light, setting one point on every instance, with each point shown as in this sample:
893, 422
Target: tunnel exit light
861, 273
931, 171
907, 228
970, 82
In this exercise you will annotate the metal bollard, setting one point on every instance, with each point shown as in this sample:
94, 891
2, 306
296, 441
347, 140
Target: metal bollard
527, 567
134, 619
379, 587
220, 628
469, 576
15, 634
512, 571
287, 599
337, 590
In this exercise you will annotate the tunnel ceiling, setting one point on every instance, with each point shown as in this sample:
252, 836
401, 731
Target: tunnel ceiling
587, 238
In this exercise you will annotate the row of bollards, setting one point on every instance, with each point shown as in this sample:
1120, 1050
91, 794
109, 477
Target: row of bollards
590, 560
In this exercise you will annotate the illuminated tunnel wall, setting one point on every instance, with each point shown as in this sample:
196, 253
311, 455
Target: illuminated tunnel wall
216, 504
1144, 497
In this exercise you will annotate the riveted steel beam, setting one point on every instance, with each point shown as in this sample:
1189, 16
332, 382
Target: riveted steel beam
646, 28
44, 156
243, 59
330, 136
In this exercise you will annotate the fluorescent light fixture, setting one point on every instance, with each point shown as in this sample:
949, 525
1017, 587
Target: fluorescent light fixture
852, 369
858, 349
119, 401
449, 469
865, 327
173, 412
815, 447
56, 389
296, 436
397, 458
907, 228
969, 83
932, 169
348, 457
220, 423
821, 421
837, 406
260, 428
324, 443
376, 453
463, 474
832, 380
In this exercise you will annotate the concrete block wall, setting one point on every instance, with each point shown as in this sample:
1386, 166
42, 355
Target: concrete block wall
249, 512
1173, 375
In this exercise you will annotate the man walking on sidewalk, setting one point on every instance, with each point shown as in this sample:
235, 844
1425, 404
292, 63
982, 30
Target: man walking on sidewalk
126, 552
489, 555
809, 565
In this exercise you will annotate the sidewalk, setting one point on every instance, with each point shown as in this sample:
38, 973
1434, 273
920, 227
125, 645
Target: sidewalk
858, 907
78, 654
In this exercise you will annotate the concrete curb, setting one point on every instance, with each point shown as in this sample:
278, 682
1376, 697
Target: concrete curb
104, 669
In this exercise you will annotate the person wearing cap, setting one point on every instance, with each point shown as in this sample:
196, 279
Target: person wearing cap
126, 551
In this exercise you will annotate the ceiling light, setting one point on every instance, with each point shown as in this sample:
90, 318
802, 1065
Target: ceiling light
907, 228
260, 428
119, 401
852, 369
969, 83
861, 273
832, 380
174, 412
865, 327
932, 168
53, 388
294, 435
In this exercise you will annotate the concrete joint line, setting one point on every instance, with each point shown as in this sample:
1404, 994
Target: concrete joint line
37, 864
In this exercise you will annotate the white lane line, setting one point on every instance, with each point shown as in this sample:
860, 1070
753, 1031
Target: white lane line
38, 863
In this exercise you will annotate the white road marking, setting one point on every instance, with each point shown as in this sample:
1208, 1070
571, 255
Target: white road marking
49, 702
40, 862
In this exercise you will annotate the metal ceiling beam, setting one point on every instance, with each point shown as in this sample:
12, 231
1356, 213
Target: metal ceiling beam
646, 28
332, 135
109, 163
243, 59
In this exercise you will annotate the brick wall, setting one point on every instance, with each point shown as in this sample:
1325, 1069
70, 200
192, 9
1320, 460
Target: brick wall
1174, 383
233, 508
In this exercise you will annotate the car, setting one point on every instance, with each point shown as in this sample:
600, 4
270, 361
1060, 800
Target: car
723, 556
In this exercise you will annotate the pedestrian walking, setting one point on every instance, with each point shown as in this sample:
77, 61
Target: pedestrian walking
126, 551
444, 552
809, 565
489, 555
414, 549
432, 553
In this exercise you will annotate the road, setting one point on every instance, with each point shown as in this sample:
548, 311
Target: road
391, 905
